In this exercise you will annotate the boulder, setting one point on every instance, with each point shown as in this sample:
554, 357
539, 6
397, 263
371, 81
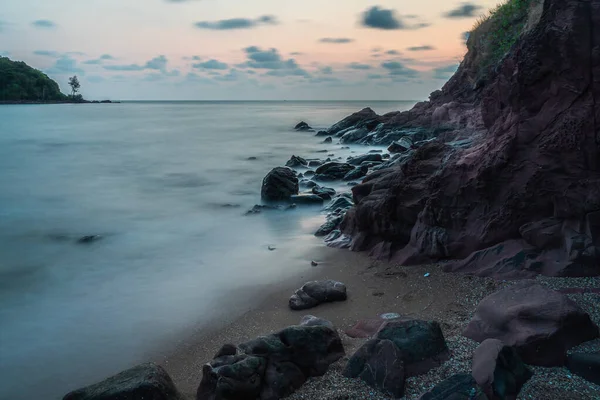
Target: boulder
306, 199
356, 173
311, 320
145, 381
585, 365
279, 184
307, 183
367, 328
400, 146
421, 344
303, 126
328, 140
313, 293
330, 225
322, 133
365, 157
309, 173
338, 240
332, 171
339, 202
457, 387
352, 135
540, 323
315, 163
365, 117
379, 364
295, 162
324, 192
498, 370
271, 367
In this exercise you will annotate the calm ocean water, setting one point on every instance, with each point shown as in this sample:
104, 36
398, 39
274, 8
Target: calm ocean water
166, 185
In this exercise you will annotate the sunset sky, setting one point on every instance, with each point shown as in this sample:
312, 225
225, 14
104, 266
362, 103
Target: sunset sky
242, 50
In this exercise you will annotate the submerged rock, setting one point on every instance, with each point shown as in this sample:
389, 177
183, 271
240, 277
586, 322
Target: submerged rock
306, 199
332, 171
323, 192
313, 293
328, 140
89, 239
295, 162
303, 126
145, 381
258, 208
279, 184
539, 323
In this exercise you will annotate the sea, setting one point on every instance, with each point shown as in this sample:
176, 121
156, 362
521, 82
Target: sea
165, 186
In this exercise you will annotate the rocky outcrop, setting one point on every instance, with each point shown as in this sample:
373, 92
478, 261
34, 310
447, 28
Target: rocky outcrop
511, 183
270, 367
539, 323
457, 387
279, 184
303, 126
332, 171
313, 293
145, 381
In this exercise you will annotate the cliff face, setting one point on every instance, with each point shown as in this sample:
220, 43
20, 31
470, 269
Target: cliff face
523, 195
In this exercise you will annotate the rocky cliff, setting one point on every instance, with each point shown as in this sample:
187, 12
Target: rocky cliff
504, 175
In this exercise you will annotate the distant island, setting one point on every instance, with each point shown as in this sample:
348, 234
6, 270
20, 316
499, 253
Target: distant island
22, 84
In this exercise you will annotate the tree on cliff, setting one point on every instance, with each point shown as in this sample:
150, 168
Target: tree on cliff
74, 83
20, 82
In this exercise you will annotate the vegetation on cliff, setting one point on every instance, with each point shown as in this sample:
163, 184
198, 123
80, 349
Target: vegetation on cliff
20, 82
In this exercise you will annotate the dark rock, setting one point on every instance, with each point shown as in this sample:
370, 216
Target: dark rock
330, 225
313, 293
145, 381
367, 328
540, 323
258, 208
400, 146
271, 367
385, 156
315, 163
306, 199
332, 171
356, 173
341, 202
89, 239
307, 183
375, 151
322, 133
363, 117
309, 173
295, 162
379, 364
279, 184
338, 240
252, 158
226, 350
311, 320
323, 192
314, 263
328, 140
421, 343
457, 387
303, 126
498, 370
585, 365
365, 157
352, 135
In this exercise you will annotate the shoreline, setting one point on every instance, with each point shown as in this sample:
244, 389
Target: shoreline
58, 102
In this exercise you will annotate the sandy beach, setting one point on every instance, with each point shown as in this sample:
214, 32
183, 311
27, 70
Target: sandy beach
374, 288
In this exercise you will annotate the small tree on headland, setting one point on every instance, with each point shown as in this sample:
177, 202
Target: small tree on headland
74, 83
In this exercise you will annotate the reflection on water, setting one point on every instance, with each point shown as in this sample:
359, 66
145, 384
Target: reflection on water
166, 186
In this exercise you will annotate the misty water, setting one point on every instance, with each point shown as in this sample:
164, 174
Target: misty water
166, 185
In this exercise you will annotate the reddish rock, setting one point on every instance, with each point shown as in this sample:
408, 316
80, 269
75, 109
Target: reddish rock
498, 370
540, 323
515, 169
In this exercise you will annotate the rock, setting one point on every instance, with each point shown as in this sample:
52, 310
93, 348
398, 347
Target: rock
306, 199
252, 158
338, 240
309, 173
258, 208
323, 192
295, 162
89, 239
332, 171
307, 183
314, 263
498, 370
311, 320
145, 381
303, 126
376, 151
379, 364
365, 157
421, 344
271, 367
356, 173
367, 328
322, 133
313, 293
329, 226
457, 387
400, 146
365, 117
315, 163
328, 140
279, 184
341, 202
226, 350
585, 365
352, 135
540, 323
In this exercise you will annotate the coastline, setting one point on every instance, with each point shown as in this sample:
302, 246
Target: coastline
58, 102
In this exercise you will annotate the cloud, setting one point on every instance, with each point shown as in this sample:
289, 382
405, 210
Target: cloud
232, 76
398, 69
326, 70
296, 53
44, 24
237, 23
65, 65
375, 76
376, 49
336, 40
47, 53
421, 48
393, 52
381, 18
359, 66
192, 77
445, 72
211, 64
157, 63
99, 60
465, 10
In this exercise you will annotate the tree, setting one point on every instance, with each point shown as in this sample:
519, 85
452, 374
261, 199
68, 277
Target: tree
74, 83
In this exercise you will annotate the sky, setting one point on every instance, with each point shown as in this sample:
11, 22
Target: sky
242, 50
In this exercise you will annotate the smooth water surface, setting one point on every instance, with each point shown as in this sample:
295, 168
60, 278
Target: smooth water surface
167, 186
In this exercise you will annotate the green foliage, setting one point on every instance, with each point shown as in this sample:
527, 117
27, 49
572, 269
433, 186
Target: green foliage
20, 82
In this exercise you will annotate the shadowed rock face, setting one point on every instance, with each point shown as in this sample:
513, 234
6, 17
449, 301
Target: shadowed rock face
516, 172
